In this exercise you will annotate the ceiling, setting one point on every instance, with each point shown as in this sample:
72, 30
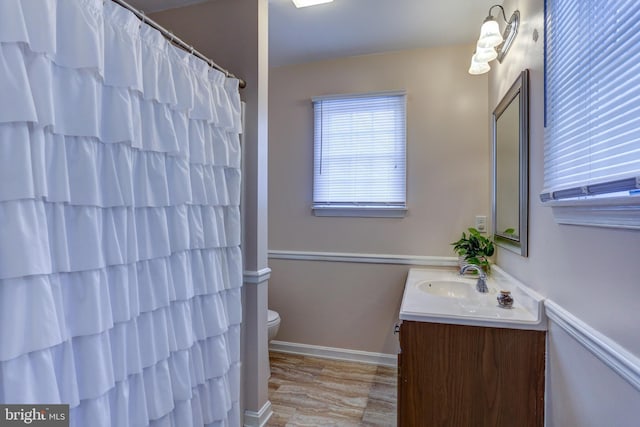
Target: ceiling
357, 27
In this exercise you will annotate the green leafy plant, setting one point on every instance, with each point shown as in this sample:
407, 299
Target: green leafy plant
475, 248
509, 232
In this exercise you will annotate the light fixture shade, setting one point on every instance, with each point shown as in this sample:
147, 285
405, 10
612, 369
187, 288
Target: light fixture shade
485, 54
478, 67
305, 3
489, 34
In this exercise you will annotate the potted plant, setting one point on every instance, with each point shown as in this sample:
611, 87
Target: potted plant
474, 248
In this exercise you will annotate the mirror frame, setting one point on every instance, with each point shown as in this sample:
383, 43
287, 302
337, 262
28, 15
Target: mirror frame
519, 88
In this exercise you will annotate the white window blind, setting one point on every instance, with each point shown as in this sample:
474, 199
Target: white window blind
360, 152
592, 71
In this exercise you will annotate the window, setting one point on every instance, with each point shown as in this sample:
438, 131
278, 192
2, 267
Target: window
360, 155
592, 135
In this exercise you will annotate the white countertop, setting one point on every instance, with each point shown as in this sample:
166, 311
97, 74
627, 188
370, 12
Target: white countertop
474, 308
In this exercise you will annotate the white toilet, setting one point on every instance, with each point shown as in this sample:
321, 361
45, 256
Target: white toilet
273, 323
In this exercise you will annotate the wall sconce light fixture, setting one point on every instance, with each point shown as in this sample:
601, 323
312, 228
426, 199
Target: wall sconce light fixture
492, 44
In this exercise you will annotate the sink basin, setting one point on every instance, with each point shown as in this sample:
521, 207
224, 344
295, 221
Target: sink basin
446, 288
441, 295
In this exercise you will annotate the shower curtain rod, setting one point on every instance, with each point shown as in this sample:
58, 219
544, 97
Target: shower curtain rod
176, 40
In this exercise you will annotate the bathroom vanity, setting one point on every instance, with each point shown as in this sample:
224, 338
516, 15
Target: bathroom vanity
464, 360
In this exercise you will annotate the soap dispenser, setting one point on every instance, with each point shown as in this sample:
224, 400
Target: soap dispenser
505, 300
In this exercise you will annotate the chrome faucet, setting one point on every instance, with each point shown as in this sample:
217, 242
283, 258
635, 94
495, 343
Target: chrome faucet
481, 284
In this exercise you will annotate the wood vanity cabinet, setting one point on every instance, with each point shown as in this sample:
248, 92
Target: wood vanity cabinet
458, 376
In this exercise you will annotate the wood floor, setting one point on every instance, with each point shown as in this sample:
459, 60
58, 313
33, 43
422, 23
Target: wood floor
308, 391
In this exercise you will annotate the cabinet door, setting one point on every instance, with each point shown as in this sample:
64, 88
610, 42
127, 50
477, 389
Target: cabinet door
470, 376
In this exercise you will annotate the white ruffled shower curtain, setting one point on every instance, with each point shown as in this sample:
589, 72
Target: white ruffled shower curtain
120, 261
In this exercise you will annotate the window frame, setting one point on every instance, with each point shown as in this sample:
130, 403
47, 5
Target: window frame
360, 209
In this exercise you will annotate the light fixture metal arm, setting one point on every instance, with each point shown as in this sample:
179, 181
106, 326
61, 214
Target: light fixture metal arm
504, 15
509, 35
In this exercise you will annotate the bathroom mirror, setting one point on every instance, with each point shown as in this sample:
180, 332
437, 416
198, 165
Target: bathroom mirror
511, 167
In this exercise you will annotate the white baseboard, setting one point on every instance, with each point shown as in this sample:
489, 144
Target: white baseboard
429, 261
260, 418
334, 353
609, 352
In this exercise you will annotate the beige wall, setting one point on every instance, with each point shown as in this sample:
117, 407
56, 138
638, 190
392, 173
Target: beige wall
337, 304
447, 185
591, 272
446, 149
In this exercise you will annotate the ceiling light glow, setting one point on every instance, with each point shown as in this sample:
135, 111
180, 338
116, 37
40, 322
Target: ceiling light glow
305, 3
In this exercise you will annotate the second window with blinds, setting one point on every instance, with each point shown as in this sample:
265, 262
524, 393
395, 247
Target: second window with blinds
592, 135
360, 155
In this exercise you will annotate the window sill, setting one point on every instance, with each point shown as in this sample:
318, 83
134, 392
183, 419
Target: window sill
615, 212
360, 211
